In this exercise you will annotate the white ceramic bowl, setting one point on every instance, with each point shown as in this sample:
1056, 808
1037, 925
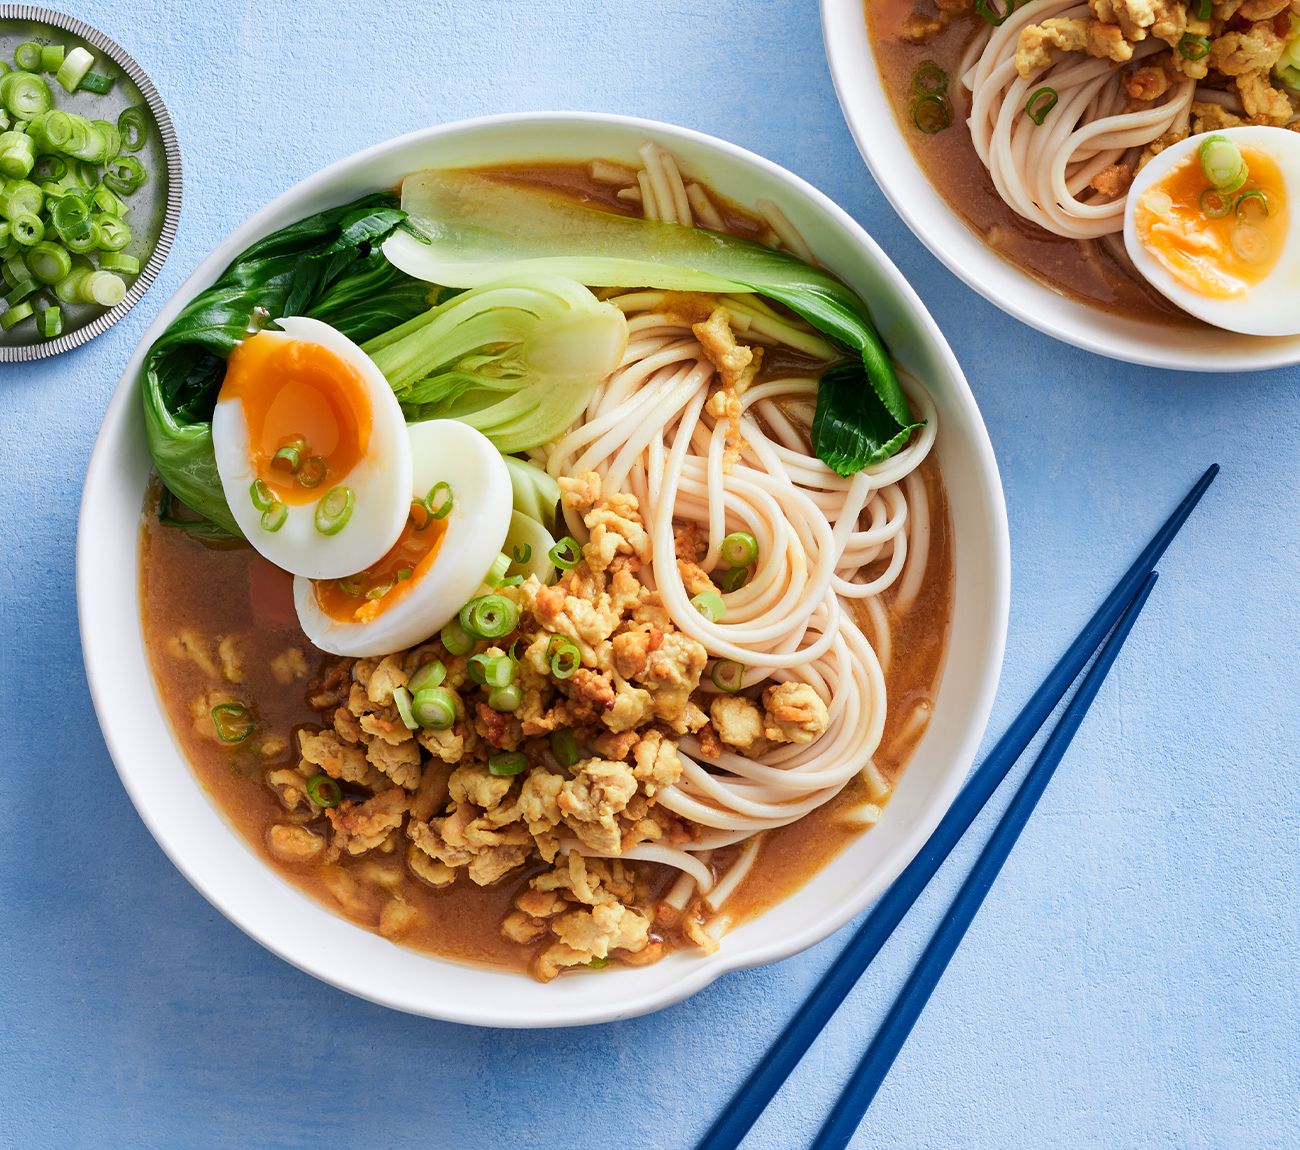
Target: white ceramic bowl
870, 116
216, 860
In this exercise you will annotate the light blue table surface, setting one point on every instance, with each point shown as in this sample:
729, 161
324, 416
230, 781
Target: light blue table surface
1132, 979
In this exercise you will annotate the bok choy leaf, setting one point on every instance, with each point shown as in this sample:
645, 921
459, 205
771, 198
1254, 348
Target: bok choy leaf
475, 230
517, 361
328, 266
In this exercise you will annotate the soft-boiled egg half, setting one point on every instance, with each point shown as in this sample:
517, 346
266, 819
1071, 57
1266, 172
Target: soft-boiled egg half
456, 510
1213, 222
312, 450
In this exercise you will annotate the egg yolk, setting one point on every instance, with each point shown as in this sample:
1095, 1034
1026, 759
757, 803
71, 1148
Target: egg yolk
1217, 244
307, 410
363, 597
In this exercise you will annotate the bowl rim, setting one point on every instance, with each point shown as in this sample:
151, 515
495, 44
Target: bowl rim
700, 973
28, 353
869, 113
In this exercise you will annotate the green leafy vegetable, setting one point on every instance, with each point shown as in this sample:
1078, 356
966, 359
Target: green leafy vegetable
480, 231
330, 267
517, 361
535, 492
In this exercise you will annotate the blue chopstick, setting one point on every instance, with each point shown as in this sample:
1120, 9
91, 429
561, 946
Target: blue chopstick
749, 1101
857, 1095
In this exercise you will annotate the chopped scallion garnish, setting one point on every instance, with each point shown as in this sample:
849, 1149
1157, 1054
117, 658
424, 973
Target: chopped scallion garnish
563, 656
432, 674
233, 722
505, 698
564, 747
334, 510
740, 549
489, 616
324, 791
1040, 104
434, 708
710, 605
566, 554
507, 763
728, 675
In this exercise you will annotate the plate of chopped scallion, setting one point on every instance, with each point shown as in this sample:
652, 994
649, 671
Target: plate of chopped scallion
90, 182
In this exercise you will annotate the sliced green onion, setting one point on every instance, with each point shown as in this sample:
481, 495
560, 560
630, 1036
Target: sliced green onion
932, 114
68, 289
324, 791
566, 554
1244, 202
233, 721
51, 57
1223, 163
431, 674
261, 495
563, 656
20, 291
49, 262
440, 500
419, 514
87, 173
50, 168
288, 458
1204, 9
130, 266
97, 82
507, 763
404, 573
273, 518
929, 79
600, 962
456, 639
71, 217
15, 271
402, 701
379, 590
492, 670
105, 288
26, 95
505, 698
13, 316
17, 155
733, 579
522, 556
995, 12
134, 126
51, 322
1214, 204
728, 675
434, 708
710, 605
1194, 47
564, 747
27, 57
1040, 104
114, 235
497, 572
1249, 242
85, 243
125, 176
740, 549
334, 510
104, 201
352, 584
74, 67
27, 229
19, 197
112, 137
489, 616
311, 471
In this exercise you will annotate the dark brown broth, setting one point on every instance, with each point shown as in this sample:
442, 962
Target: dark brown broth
1084, 270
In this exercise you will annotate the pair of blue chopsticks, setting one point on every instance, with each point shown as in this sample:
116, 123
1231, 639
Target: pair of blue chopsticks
1115, 616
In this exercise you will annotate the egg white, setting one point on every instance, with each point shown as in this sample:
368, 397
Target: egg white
442, 450
1270, 307
381, 481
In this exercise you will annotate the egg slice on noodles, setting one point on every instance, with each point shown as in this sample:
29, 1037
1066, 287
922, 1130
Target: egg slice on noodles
457, 514
1214, 223
312, 450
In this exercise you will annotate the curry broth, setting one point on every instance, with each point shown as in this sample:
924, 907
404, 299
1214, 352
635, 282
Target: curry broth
1085, 270
195, 594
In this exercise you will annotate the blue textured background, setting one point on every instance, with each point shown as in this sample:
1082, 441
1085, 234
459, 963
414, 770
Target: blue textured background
1132, 979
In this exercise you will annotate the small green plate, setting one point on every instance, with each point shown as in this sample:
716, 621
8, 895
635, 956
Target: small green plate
155, 208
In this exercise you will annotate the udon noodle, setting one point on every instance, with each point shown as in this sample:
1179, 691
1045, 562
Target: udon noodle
830, 547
